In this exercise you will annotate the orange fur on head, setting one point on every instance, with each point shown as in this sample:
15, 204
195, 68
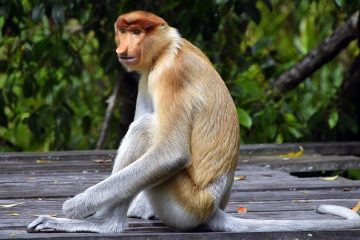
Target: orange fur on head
140, 36
139, 19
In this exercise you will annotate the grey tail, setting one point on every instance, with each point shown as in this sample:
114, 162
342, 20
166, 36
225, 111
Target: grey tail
222, 221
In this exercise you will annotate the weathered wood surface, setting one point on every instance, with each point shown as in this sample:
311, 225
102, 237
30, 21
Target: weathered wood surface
40, 182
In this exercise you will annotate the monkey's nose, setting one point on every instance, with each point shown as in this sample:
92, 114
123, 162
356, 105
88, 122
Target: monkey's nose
121, 51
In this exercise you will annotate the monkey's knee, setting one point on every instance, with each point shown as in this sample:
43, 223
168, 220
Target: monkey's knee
141, 127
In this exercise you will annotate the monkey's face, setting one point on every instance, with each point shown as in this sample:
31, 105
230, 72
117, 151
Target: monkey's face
134, 36
129, 41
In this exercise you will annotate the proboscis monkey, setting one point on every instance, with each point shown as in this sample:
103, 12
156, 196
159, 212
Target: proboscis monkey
179, 155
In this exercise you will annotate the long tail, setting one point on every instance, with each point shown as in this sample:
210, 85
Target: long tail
222, 221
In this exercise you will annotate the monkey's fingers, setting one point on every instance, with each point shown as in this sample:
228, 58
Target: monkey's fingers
42, 224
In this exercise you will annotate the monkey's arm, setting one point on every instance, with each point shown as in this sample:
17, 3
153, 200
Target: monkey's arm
156, 165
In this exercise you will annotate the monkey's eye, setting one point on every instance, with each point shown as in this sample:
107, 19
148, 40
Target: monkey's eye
122, 30
136, 32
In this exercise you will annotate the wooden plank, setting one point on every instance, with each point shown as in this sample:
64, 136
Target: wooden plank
34, 207
51, 176
305, 163
28, 209
266, 193
21, 222
63, 185
59, 155
47, 163
286, 205
58, 165
293, 184
325, 148
324, 235
69, 185
295, 195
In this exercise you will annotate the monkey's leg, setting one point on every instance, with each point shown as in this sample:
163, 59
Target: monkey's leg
141, 207
133, 146
111, 218
156, 165
135, 143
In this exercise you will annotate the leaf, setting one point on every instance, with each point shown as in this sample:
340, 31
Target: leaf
340, 3
242, 210
58, 14
295, 132
253, 12
333, 119
37, 12
305, 192
29, 86
290, 118
10, 205
14, 214
43, 161
239, 178
349, 123
356, 208
294, 154
86, 124
51, 215
244, 118
333, 178
3, 117
102, 161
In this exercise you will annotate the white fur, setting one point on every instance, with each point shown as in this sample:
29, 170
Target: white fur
141, 207
222, 221
144, 101
166, 61
169, 211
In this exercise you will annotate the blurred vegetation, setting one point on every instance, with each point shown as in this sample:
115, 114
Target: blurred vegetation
58, 67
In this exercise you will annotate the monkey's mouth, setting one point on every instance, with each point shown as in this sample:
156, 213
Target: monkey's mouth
127, 59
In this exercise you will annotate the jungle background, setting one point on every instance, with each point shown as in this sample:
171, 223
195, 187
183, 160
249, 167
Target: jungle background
58, 69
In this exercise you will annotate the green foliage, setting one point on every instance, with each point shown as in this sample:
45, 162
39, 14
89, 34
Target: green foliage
310, 112
58, 66
353, 174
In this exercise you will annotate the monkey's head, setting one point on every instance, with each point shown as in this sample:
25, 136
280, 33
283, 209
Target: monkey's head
140, 36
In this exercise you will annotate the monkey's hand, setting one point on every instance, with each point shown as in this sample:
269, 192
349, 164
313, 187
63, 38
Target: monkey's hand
79, 206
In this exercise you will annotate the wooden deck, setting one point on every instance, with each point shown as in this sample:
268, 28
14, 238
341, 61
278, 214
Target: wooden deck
37, 183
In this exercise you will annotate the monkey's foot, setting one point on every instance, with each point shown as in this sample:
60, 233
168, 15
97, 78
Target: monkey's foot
42, 224
46, 223
79, 206
141, 208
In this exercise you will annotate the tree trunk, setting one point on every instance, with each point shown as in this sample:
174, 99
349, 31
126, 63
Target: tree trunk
323, 53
